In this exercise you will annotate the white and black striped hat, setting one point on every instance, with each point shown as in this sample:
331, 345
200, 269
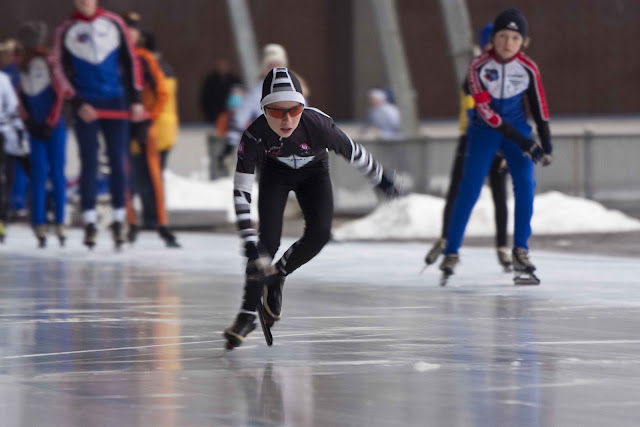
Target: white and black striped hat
281, 84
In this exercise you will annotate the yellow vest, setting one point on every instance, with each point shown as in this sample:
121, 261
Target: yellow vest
167, 122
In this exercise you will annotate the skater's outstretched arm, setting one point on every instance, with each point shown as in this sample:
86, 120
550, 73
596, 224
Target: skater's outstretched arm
340, 143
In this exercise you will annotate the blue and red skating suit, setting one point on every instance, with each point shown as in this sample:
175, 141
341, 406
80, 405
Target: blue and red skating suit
41, 90
499, 90
499, 123
98, 58
41, 93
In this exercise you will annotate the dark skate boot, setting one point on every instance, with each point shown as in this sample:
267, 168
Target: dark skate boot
448, 266
523, 268
90, 235
435, 251
61, 234
240, 330
118, 234
41, 234
132, 233
272, 297
168, 237
504, 258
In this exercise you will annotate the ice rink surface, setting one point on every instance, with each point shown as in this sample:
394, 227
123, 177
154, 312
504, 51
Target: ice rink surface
134, 338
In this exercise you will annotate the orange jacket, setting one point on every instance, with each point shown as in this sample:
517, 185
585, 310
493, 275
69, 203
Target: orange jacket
154, 93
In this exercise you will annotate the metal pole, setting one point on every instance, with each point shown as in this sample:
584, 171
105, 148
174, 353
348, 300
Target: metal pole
396, 63
245, 40
457, 24
588, 164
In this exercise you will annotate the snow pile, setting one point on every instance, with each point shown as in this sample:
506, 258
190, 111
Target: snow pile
191, 194
419, 216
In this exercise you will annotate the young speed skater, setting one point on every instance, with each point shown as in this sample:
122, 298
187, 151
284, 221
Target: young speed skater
499, 81
289, 144
103, 79
497, 177
40, 90
146, 169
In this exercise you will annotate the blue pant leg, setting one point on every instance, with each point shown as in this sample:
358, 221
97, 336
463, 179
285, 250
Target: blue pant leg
20, 187
522, 174
87, 137
116, 135
39, 173
56, 152
481, 150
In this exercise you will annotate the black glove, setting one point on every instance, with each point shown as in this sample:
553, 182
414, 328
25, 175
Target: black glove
41, 131
388, 188
533, 150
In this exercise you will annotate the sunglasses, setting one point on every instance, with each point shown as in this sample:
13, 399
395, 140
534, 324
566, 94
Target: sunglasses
279, 113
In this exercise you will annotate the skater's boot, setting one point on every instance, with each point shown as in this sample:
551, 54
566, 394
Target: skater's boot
448, 266
132, 233
40, 231
272, 295
3, 232
61, 234
118, 234
90, 235
435, 251
523, 268
168, 237
240, 330
504, 258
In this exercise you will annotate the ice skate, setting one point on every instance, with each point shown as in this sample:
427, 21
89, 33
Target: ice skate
41, 234
266, 322
132, 233
61, 234
523, 268
447, 266
168, 237
240, 330
435, 251
118, 234
272, 297
90, 235
504, 258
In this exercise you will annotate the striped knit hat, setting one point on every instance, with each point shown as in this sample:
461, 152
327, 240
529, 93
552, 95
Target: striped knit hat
281, 84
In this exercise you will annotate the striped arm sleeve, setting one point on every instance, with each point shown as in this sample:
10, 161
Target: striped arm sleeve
242, 186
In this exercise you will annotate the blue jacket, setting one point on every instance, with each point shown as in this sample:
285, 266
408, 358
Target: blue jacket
98, 58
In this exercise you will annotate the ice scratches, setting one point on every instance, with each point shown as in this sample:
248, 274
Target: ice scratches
424, 366
575, 383
519, 402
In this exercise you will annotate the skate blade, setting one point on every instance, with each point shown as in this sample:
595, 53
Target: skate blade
531, 280
262, 315
444, 278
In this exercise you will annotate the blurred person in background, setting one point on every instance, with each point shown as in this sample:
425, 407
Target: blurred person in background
167, 122
289, 144
104, 82
273, 56
14, 145
234, 100
383, 116
146, 170
42, 98
500, 81
497, 176
9, 57
215, 90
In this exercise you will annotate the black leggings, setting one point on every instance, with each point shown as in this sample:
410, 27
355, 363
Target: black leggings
312, 187
497, 182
